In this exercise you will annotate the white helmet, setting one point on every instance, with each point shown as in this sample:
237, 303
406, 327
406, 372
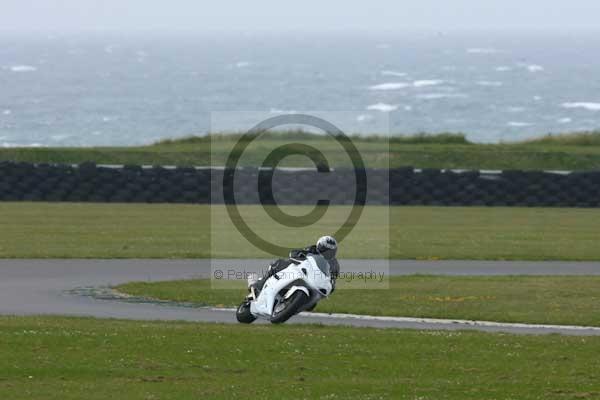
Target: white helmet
327, 247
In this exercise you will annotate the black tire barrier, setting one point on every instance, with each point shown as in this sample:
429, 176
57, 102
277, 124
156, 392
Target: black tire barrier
89, 182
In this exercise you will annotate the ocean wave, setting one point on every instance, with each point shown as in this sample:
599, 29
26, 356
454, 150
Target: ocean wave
584, 105
534, 68
435, 96
427, 82
390, 86
489, 83
110, 48
364, 118
482, 50
239, 65
517, 124
383, 107
141, 56
530, 67
22, 68
403, 85
393, 73
11, 145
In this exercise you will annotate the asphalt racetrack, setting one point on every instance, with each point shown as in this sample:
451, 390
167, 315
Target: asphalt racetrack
71, 287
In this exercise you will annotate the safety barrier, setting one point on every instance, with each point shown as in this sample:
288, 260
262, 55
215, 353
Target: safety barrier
89, 182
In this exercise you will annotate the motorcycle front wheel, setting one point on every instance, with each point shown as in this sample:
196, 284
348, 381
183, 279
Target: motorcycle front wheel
243, 313
287, 308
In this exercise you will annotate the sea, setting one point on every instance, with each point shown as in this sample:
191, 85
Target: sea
123, 88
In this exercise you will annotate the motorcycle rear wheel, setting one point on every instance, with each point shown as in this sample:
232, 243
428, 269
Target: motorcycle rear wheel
291, 308
243, 313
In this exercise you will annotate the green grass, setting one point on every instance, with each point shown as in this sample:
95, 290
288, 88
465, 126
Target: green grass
65, 230
63, 358
573, 139
562, 300
578, 151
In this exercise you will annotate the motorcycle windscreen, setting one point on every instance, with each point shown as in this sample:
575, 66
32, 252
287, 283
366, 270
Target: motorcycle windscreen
322, 264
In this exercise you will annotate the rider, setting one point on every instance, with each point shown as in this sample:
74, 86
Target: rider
326, 246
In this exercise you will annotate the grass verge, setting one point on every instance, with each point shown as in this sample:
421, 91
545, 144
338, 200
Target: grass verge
68, 358
577, 151
87, 230
561, 300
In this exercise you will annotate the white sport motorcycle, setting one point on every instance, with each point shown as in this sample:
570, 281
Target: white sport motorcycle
297, 288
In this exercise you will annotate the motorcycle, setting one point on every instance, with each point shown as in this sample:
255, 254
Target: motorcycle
297, 288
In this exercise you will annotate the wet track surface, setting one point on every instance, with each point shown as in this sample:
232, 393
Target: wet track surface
74, 288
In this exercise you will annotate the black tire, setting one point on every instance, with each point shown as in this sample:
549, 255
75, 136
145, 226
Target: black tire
293, 305
243, 313
311, 307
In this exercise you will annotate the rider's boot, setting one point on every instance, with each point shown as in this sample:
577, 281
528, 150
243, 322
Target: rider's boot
255, 285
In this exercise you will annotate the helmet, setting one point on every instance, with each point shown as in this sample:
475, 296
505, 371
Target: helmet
327, 247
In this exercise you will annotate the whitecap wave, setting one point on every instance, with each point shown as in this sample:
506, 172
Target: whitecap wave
390, 86
489, 83
383, 107
22, 68
537, 98
564, 120
584, 105
10, 145
393, 73
6, 112
436, 96
518, 124
515, 109
403, 85
243, 64
503, 68
281, 111
364, 118
534, 68
141, 56
427, 82
482, 50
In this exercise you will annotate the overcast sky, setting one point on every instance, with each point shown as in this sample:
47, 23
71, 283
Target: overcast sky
309, 15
